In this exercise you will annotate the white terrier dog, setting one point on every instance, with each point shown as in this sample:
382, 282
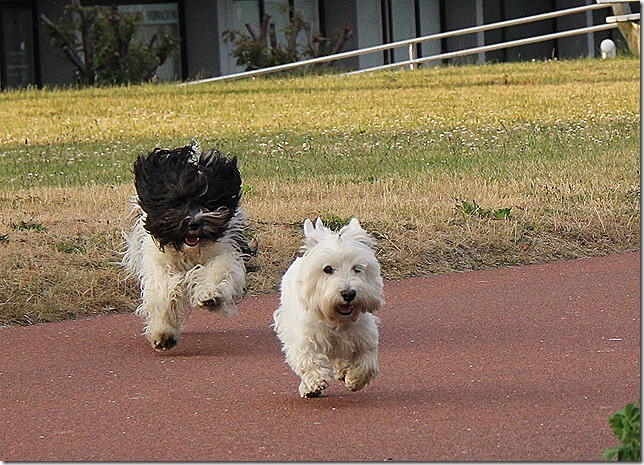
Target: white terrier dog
187, 246
325, 319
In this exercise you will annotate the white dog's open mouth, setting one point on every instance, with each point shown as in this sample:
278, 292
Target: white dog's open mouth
191, 240
344, 309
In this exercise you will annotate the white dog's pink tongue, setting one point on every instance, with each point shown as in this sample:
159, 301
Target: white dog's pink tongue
191, 241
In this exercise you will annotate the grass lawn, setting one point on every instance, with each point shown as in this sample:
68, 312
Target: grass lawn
451, 168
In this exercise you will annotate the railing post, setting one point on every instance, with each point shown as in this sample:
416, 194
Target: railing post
412, 56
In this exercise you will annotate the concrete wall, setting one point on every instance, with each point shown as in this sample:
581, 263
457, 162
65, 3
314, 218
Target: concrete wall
430, 23
459, 14
539, 51
202, 37
575, 46
493, 13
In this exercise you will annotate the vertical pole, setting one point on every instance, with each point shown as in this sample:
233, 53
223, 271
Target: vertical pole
590, 37
480, 36
412, 55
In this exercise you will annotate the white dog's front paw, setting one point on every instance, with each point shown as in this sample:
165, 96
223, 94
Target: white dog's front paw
355, 379
163, 340
314, 389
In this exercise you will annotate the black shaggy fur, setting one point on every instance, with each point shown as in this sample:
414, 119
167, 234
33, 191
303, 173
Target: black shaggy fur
188, 195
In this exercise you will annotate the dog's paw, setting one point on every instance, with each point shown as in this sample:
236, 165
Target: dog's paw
164, 341
355, 384
217, 300
314, 390
355, 380
218, 304
213, 304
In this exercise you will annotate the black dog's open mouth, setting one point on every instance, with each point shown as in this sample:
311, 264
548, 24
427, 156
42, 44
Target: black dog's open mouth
344, 309
191, 240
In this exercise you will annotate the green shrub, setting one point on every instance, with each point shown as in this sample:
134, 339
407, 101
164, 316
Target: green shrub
625, 423
261, 49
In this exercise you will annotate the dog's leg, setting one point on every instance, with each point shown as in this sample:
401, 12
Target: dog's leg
314, 380
160, 289
363, 367
313, 367
218, 285
160, 298
340, 368
362, 371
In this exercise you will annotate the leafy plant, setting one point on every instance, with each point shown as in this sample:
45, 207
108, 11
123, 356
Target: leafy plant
100, 43
330, 220
70, 247
261, 49
474, 209
28, 226
625, 423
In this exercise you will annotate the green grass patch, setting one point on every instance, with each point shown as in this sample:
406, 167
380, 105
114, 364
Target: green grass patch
474, 209
362, 127
28, 226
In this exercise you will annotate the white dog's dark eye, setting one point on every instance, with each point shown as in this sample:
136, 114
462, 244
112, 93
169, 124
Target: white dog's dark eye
358, 269
328, 269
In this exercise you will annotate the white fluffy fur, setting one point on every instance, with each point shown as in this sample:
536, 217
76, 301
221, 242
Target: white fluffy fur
174, 281
320, 343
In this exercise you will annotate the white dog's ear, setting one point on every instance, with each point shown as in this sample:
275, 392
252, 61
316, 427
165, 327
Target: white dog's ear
313, 234
353, 224
309, 229
354, 231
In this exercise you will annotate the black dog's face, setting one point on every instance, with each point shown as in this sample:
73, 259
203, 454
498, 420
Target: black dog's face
188, 197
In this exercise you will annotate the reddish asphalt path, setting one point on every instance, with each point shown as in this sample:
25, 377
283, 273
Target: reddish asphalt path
520, 364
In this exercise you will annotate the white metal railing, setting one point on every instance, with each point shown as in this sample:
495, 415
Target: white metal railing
410, 43
623, 18
489, 48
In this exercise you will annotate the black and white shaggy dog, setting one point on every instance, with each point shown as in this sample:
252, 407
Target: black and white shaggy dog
188, 246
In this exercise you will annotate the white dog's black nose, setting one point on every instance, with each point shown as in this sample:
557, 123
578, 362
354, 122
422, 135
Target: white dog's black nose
348, 295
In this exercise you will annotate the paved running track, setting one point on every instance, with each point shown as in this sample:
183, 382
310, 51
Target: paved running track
519, 364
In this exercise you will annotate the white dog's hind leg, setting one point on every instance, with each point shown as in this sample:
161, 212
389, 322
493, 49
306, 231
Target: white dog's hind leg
218, 285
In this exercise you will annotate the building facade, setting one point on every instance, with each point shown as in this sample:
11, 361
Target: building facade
27, 56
